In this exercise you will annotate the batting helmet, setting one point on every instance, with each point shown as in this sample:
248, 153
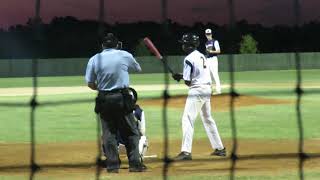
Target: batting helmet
190, 42
190, 39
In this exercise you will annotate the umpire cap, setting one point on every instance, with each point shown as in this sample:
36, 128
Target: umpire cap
110, 41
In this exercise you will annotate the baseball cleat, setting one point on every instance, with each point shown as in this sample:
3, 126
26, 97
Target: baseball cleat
219, 152
183, 156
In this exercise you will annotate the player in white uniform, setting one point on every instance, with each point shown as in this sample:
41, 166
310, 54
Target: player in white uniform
196, 75
213, 49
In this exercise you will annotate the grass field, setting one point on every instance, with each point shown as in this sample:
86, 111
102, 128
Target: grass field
288, 76
75, 122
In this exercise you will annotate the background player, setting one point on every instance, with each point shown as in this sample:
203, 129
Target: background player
196, 75
213, 49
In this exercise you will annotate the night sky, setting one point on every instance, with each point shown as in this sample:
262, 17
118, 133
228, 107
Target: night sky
266, 12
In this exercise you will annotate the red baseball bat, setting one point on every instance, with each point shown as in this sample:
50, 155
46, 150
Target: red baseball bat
155, 51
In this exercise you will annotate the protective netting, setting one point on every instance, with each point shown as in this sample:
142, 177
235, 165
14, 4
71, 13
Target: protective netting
167, 161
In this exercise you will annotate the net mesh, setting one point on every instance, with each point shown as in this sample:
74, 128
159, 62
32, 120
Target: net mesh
167, 161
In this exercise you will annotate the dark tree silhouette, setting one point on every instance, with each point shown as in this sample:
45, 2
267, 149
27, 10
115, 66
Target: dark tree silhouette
68, 37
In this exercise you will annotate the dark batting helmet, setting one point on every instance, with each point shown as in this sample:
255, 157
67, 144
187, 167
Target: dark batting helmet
190, 41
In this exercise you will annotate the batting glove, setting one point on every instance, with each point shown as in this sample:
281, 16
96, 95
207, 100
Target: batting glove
177, 76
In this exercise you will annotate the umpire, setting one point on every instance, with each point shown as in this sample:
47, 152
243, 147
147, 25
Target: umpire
107, 72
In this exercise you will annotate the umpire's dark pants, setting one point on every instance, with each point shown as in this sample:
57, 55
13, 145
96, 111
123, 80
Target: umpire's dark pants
116, 121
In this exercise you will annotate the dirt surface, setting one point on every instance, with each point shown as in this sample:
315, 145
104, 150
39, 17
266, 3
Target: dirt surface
28, 91
76, 158
218, 102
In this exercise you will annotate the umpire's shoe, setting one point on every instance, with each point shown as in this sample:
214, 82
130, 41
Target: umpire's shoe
113, 170
183, 156
140, 168
219, 152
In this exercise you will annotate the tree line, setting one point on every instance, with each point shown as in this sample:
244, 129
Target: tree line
69, 37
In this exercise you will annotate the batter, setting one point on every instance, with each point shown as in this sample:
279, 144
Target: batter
196, 75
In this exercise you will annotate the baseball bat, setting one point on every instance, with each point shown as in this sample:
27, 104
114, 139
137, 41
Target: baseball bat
155, 51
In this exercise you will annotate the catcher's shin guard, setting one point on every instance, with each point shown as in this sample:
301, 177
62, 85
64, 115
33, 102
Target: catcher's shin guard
143, 146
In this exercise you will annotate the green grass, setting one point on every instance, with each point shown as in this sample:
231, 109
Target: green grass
76, 122
75, 81
288, 76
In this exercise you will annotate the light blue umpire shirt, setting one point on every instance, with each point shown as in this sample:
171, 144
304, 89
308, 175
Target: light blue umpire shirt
110, 69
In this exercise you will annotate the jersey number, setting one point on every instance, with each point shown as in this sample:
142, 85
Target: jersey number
204, 62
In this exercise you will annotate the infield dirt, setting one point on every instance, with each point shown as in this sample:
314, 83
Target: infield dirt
75, 160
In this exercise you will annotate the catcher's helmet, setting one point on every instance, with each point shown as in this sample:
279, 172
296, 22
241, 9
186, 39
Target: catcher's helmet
134, 94
110, 41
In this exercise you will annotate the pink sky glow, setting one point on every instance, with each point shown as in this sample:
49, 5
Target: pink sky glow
266, 12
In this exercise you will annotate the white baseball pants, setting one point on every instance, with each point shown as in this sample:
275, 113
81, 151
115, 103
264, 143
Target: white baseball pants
213, 66
198, 100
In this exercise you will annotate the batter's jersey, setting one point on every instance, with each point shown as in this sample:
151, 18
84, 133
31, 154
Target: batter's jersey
196, 69
109, 69
212, 45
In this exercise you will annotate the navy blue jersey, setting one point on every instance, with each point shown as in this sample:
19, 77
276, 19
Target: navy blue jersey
212, 45
138, 112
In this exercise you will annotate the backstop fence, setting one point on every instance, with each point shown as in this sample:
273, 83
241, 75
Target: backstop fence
149, 64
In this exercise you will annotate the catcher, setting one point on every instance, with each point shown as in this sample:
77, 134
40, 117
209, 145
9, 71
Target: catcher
141, 123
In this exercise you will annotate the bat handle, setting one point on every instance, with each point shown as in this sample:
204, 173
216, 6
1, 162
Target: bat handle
167, 66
